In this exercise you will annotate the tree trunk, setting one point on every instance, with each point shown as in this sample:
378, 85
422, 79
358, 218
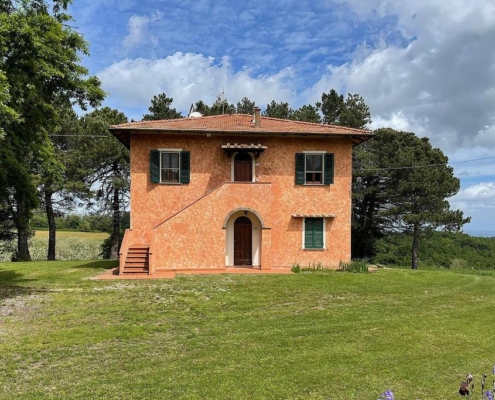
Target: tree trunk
23, 232
52, 228
415, 246
114, 249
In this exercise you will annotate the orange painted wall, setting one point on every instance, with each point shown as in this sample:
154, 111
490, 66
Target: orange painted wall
195, 238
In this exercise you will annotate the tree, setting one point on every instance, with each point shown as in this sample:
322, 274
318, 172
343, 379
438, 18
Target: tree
160, 109
106, 162
353, 112
245, 106
278, 110
408, 184
202, 108
331, 107
40, 64
307, 113
221, 106
65, 179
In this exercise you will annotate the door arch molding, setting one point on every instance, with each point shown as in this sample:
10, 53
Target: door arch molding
256, 236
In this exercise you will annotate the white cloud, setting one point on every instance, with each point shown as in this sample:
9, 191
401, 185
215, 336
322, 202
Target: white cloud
474, 198
139, 32
189, 77
441, 85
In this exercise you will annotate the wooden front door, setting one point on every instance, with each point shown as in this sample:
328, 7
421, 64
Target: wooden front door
243, 168
243, 241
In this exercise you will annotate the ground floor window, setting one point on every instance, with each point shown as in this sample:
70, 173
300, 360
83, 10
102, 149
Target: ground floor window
313, 233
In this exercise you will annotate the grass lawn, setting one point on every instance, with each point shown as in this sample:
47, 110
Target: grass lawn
300, 336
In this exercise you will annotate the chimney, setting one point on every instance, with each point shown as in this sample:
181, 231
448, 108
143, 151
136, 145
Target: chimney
257, 118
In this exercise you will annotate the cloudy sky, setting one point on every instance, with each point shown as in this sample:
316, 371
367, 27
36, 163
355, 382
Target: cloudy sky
426, 66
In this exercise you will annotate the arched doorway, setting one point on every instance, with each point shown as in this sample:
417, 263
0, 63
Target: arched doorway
243, 167
243, 241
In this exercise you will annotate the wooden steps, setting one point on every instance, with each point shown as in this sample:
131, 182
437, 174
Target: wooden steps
137, 260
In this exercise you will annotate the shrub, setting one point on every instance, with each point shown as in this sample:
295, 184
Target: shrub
358, 266
355, 266
296, 268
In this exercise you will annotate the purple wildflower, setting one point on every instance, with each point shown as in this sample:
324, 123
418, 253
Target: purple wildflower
389, 395
489, 395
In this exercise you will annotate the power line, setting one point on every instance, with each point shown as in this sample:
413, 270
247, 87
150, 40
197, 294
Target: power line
79, 136
425, 166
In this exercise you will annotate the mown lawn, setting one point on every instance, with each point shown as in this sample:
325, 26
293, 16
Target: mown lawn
300, 336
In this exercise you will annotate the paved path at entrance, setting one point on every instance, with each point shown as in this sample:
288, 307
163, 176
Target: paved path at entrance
113, 273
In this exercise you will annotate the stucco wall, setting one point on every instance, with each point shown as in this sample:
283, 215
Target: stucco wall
177, 239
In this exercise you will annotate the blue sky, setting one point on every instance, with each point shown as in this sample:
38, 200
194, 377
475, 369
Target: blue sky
424, 66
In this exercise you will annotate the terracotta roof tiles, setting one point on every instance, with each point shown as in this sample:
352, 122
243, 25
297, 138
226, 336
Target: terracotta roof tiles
235, 123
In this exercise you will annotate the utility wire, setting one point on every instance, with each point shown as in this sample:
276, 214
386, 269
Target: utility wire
79, 136
424, 166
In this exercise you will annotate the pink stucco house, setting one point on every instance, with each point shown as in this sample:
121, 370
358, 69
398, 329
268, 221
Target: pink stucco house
237, 190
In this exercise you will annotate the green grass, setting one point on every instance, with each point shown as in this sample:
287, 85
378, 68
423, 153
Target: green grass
100, 236
300, 336
70, 246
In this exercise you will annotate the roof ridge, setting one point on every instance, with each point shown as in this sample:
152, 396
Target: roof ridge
318, 124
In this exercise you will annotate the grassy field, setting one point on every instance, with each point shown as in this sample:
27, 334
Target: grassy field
301, 336
71, 245
100, 236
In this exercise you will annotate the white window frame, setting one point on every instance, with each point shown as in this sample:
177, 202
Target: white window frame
324, 235
315, 153
178, 151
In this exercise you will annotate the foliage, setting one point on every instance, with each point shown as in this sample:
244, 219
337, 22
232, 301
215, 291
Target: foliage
160, 109
245, 106
118, 339
355, 266
438, 249
69, 248
278, 110
106, 162
307, 113
353, 112
106, 246
402, 183
41, 71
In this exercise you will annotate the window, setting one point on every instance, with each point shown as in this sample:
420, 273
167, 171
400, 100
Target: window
313, 233
314, 168
169, 166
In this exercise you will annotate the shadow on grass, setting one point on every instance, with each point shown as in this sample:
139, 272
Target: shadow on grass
100, 264
9, 285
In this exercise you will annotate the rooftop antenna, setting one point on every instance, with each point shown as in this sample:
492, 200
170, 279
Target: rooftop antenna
221, 98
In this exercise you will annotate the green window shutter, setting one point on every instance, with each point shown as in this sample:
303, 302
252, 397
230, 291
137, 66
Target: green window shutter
299, 168
329, 168
155, 166
308, 233
185, 166
313, 233
318, 233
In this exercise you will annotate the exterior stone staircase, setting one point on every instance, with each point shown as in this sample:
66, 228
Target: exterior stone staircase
137, 260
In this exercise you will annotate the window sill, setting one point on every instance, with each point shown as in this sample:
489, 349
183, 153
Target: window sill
171, 183
313, 249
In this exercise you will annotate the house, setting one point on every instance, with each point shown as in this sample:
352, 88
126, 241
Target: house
237, 190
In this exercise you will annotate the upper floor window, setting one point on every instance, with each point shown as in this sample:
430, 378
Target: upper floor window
314, 168
169, 166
